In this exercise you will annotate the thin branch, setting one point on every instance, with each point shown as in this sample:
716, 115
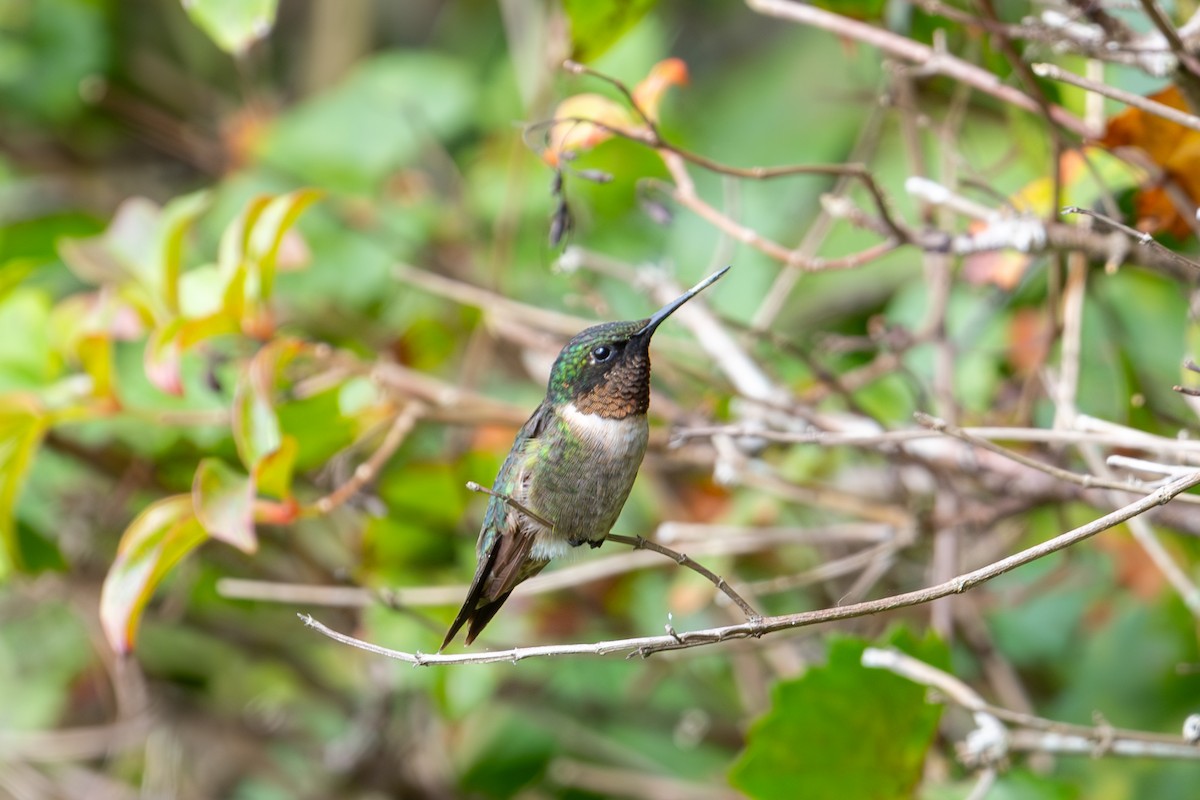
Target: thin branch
983, 438
992, 741
1141, 237
916, 53
1056, 73
1189, 70
642, 543
1086, 481
369, 469
648, 645
652, 136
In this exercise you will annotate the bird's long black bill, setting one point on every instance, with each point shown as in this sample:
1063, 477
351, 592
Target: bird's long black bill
672, 306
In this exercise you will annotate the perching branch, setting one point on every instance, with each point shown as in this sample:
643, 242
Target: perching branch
648, 645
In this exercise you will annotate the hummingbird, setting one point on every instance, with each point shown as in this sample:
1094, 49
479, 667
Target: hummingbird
572, 464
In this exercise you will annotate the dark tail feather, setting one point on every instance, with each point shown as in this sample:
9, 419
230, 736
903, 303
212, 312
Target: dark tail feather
503, 568
470, 606
479, 617
464, 614
483, 615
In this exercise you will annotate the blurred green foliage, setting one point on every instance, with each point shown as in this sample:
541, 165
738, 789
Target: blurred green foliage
198, 245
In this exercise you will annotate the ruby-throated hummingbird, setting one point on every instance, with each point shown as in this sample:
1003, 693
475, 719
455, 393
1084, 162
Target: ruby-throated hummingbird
573, 462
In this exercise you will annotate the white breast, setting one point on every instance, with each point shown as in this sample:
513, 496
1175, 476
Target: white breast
615, 436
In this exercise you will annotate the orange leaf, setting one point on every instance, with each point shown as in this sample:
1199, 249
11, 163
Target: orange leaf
649, 93
575, 133
1172, 147
1029, 340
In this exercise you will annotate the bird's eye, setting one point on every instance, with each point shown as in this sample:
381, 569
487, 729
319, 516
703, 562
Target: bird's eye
602, 353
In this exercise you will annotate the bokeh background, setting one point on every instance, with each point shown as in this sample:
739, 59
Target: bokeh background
135, 138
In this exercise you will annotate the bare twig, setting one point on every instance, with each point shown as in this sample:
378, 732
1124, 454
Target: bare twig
991, 741
1140, 237
648, 645
1189, 70
1056, 73
914, 52
641, 543
1087, 481
367, 471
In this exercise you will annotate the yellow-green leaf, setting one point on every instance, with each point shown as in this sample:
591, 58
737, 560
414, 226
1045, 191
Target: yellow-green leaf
235, 240
152, 544
268, 231
22, 426
234, 25
176, 221
96, 356
274, 472
224, 501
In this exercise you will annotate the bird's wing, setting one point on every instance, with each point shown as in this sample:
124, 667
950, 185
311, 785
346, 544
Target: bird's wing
504, 540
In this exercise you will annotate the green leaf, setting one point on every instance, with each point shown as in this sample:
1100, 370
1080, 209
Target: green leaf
14, 272
224, 501
234, 25
152, 544
267, 233
21, 429
26, 361
843, 731
596, 25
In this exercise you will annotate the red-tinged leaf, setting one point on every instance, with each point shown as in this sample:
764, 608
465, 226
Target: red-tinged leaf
267, 233
22, 426
152, 544
177, 219
256, 430
83, 328
224, 501
163, 358
274, 472
267, 512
